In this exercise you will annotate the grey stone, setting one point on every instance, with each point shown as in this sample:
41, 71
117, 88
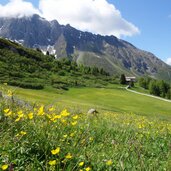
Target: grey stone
92, 111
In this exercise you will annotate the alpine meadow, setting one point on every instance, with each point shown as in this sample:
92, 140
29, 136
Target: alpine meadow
77, 97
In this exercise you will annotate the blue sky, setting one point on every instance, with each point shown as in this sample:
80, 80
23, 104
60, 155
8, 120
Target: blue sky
152, 19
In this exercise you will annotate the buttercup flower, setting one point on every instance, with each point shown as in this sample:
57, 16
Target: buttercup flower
52, 162
73, 123
56, 151
23, 133
75, 117
109, 163
4, 167
18, 119
6, 110
30, 116
65, 136
81, 164
65, 113
87, 169
51, 109
68, 156
41, 110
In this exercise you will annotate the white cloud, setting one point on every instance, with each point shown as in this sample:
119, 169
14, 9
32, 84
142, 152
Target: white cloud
17, 8
168, 61
97, 16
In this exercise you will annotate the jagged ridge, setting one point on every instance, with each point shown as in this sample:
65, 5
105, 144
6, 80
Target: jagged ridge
108, 52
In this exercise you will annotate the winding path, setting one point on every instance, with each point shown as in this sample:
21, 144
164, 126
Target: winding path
143, 94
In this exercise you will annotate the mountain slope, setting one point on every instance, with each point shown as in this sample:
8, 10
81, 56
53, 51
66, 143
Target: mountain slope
108, 52
28, 68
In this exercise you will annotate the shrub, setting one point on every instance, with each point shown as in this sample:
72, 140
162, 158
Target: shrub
61, 73
36, 86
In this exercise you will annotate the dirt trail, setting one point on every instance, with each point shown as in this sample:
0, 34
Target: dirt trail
133, 91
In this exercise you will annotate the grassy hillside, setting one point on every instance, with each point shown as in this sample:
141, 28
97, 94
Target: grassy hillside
130, 132
114, 98
46, 138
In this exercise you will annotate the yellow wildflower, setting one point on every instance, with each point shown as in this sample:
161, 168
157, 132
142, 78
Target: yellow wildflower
30, 116
6, 110
72, 134
65, 113
20, 112
17, 135
73, 123
8, 114
54, 120
18, 119
51, 109
81, 164
57, 116
87, 169
56, 151
20, 115
109, 163
65, 136
9, 93
75, 117
141, 126
41, 110
91, 138
23, 133
4, 167
68, 156
52, 162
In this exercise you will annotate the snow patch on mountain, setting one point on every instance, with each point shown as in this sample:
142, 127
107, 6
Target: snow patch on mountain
50, 49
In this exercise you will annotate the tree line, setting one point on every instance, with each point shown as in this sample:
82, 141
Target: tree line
156, 87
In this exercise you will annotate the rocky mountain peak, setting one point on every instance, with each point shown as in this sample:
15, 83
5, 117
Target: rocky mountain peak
107, 52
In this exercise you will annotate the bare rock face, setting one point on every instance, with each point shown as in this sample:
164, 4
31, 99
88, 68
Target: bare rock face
30, 31
108, 52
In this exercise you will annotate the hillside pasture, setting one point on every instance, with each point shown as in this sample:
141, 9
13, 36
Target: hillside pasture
115, 99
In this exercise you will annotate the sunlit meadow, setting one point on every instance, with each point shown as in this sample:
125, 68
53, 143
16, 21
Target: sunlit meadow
38, 137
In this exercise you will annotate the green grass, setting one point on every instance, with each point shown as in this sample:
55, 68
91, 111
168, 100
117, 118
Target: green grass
140, 89
44, 138
114, 99
50, 140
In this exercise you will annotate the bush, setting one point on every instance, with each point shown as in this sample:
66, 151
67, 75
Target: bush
26, 85
61, 73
